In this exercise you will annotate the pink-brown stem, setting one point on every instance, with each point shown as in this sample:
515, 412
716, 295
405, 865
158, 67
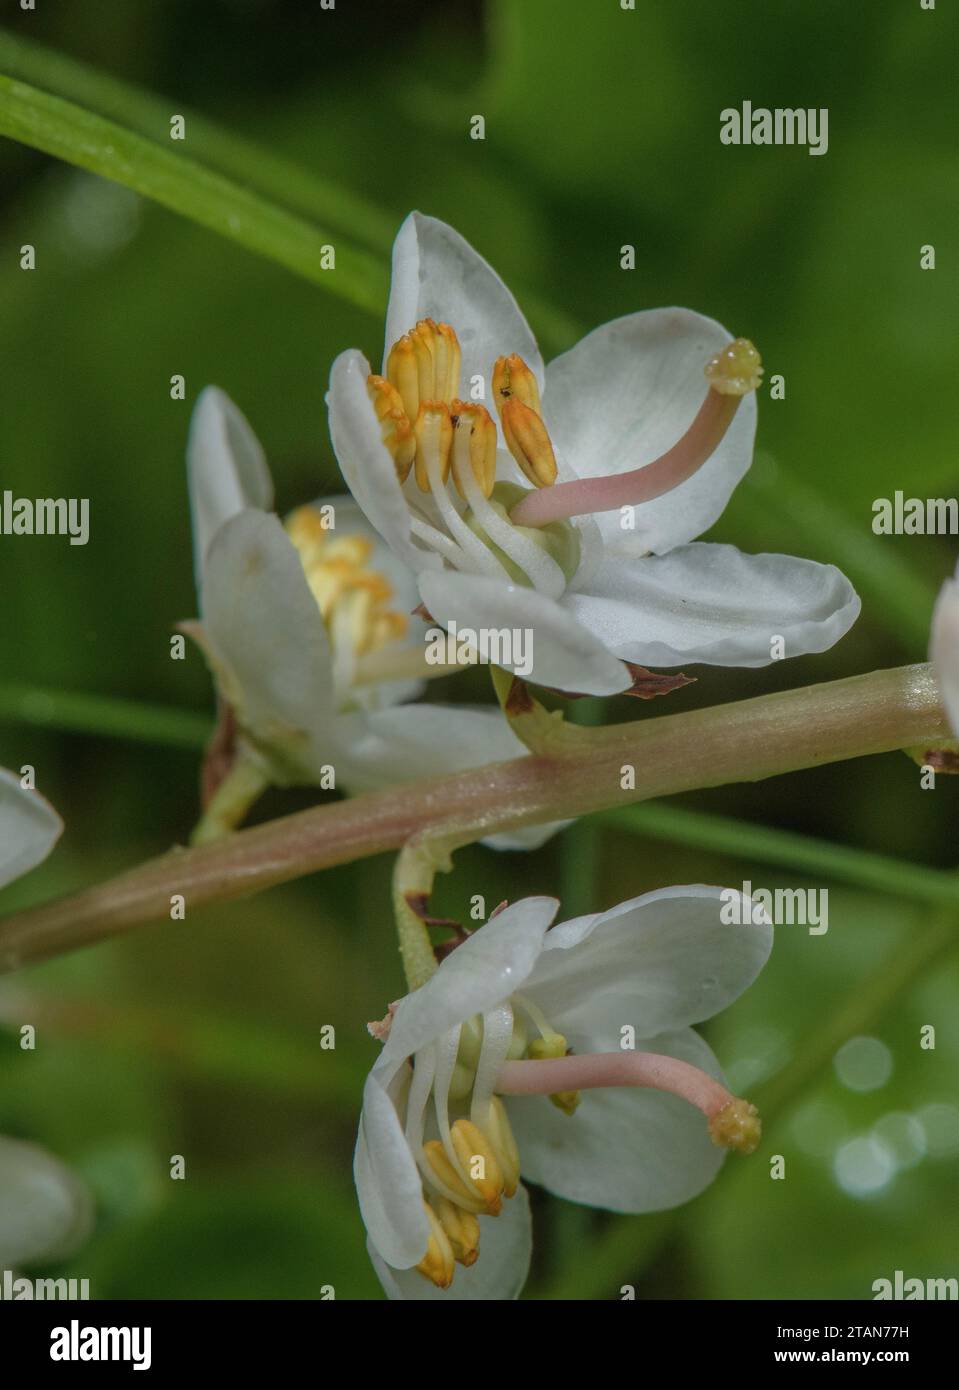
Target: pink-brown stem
745, 741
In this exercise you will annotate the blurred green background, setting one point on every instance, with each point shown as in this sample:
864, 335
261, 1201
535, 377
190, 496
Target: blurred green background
202, 1038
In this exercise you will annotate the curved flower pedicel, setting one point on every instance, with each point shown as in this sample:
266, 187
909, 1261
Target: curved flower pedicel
306, 629
944, 647
474, 1084
613, 434
45, 1210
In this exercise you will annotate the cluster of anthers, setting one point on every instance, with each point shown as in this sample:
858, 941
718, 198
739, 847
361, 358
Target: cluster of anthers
353, 598
430, 431
474, 1164
428, 428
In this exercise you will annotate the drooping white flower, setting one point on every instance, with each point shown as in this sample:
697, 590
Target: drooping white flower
944, 647
307, 629
474, 1084
603, 434
45, 1210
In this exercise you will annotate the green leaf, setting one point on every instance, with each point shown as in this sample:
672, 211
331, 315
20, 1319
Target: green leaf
166, 175
281, 181
102, 716
768, 845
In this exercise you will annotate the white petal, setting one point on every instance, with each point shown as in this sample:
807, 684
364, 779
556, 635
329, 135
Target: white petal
624, 395
226, 469
527, 837
45, 1209
944, 647
365, 461
29, 828
264, 625
388, 1183
625, 1149
506, 1243
438, 275
668, 955
713, 604
405, 742
482, 973
565, 654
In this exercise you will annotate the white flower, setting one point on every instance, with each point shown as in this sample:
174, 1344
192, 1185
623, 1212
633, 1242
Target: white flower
620, 989
45, 1210
29, 828
613, 413
307, 630
944, 647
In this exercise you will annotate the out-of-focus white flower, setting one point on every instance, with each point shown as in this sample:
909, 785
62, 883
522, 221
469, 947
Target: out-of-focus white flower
45, 1210
474, 1084
306, 627
603, 435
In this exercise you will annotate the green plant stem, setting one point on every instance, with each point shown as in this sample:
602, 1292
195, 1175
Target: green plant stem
240, 788
765, 844
169, 175
582, 843
746, 741
103, 716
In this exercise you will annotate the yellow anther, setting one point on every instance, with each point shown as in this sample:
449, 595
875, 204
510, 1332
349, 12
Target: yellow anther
388, 627
434, 441
403, 375
350, 551
737, 1126
424, 365
395, 427
554, 1045
736, 369
438, 1263
478, 1160
513, 379
528, 441
474, 446
446, 1174
331, 579
422, 341
462, 1231
504, 1145
352, 598
359, 617
305, 528
445, 352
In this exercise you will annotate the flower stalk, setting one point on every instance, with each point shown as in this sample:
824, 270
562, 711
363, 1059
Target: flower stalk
745, 741
240, 788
